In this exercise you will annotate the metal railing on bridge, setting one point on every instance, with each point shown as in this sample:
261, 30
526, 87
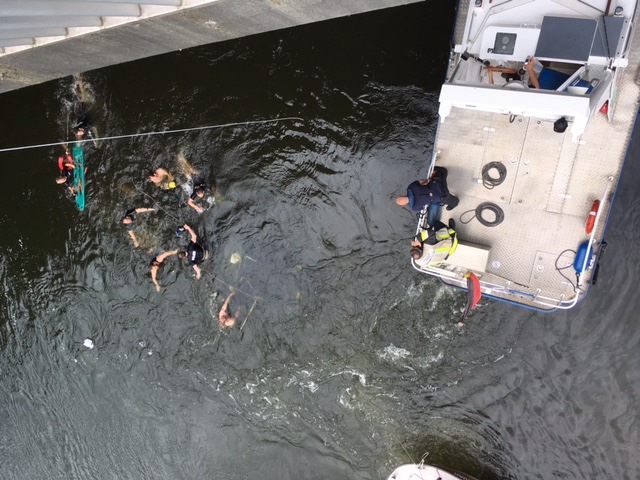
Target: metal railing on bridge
28, 23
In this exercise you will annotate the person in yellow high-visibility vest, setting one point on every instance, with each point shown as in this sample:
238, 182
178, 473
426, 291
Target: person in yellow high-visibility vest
432, 246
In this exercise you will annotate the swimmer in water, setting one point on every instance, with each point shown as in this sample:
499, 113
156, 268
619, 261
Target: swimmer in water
66, 166
226, 320
129, 218
195, 253
197, 197
155, 266
163, 179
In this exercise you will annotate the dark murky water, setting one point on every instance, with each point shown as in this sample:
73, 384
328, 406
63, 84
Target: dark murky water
349, 362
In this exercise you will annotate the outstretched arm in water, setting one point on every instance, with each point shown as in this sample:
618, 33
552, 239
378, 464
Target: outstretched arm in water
161, 257
156, 265
192, 233
136, 244
225, 319
198, 271
195, 206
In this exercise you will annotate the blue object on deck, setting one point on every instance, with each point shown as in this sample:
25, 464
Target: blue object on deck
78, 175
584, 251
552, 80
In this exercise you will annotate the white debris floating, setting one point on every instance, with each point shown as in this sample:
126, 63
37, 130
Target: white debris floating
88, 343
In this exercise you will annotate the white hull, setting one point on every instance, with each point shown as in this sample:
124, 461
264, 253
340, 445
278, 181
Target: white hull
426, 472
552, 179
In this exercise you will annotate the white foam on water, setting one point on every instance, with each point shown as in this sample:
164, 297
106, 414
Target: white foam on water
391, 353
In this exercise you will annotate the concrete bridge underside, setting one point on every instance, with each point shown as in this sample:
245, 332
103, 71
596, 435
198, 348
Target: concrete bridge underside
42, 40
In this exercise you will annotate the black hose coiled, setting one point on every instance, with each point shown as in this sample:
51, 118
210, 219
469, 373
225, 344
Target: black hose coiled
480, 209
490, 182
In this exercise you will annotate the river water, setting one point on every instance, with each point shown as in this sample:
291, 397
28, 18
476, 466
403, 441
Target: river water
348, 362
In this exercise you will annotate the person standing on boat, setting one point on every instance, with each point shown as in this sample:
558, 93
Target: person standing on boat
422, 193
195, 253
129, 218
155, 266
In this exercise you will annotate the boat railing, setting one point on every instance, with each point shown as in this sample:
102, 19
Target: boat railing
491, 287
592, 237
500, 287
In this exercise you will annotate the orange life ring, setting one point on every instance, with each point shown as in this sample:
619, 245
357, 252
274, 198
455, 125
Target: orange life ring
591, 218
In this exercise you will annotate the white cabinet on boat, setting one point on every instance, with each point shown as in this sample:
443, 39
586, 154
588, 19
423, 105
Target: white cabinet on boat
470, 256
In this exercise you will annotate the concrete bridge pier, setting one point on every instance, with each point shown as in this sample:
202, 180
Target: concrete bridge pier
43, 40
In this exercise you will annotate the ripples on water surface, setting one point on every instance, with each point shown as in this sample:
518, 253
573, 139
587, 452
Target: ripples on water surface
349, 362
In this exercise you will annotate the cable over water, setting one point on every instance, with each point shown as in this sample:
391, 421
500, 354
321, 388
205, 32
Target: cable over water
148, 134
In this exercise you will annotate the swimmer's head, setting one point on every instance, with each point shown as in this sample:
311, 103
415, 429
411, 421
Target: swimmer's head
416, 253
155, 177
127, 219
182, 255
61, 179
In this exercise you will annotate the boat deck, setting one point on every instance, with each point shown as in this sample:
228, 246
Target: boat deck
552, 180
541, 188
547, 192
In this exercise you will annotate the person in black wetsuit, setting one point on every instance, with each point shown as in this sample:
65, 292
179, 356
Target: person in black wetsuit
197, 198
194, 253
422, 193
82, 128
129, 218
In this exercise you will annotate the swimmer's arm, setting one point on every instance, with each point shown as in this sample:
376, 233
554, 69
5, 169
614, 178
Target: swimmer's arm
198, 272
133, 238
154, 273
194, 237
145, 210
195, 206
160, 258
